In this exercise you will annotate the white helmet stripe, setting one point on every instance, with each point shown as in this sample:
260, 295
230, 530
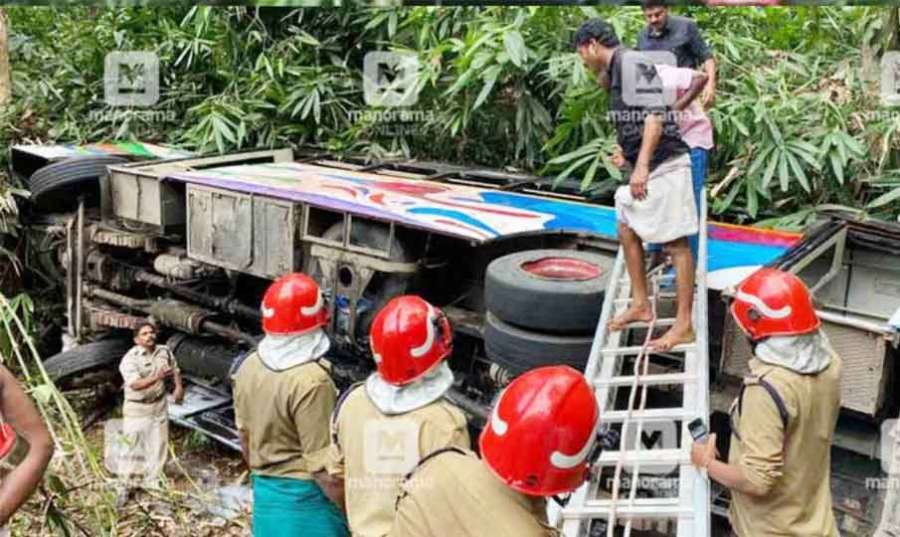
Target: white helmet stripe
315, 308
418, 352
500, 427
757, 303
268, 313
565, 462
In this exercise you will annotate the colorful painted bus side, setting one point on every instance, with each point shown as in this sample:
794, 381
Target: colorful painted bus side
475, 214
133, 149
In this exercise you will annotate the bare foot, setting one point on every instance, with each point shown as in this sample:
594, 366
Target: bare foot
631, 315
678, 334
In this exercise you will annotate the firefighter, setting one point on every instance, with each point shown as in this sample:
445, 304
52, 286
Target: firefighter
283, 398
783, 420
537, 444
382, 428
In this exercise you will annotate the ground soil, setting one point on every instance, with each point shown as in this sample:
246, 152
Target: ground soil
199, 466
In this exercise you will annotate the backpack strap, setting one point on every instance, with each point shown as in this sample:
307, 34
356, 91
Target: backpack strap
424, 459
337, 408
773, 393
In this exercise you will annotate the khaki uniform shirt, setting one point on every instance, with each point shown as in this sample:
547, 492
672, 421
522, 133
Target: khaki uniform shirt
373, 451
285, 416
456, 495
139, 364
792, 464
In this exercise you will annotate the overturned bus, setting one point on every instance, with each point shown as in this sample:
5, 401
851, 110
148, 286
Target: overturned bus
127, 231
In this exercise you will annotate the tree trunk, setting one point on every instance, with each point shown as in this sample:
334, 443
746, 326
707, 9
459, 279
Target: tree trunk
5, 79
892, 28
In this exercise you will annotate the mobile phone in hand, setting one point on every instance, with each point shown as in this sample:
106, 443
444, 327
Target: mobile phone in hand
698, 430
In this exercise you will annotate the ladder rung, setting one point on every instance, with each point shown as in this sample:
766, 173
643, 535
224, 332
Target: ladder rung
625, 280
618, 416
645, 456
651, 298
625, 351
639, 508
647, 380
659, 323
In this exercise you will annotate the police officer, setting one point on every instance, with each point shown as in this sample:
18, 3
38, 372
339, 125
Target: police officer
145, 416
383, 428
541, 432
283, 398
783, 421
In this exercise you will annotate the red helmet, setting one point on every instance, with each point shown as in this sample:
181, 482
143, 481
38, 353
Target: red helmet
293, 305
771, 302
409, 338
541, 431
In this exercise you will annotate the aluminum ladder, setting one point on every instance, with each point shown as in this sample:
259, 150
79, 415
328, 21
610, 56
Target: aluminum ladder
688, 510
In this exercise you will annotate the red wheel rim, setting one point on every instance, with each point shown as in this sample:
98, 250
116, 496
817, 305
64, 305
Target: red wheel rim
562, 269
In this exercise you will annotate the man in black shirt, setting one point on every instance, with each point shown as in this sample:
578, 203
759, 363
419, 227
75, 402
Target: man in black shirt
681, 37
658, 203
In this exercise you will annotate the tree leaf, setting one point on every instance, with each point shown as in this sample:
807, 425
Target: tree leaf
783, 175
515, 47
759, 160
589, 176
752, 200
798, 171
490, 78
837, 167
774, 157
884, 199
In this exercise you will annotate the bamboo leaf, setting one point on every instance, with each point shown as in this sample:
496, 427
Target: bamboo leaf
837, 167
884, 199
515, 47
798, 171
490, 78
589, 176
783, 175
752, 200
759, 160
774, 157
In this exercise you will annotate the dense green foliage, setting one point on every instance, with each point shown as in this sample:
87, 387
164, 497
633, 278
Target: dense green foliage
798, 120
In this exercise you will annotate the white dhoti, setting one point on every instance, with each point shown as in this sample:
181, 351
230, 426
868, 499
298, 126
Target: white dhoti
668, 211
145, 429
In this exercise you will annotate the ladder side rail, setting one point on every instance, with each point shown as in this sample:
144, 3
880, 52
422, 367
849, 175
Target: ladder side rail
694, 484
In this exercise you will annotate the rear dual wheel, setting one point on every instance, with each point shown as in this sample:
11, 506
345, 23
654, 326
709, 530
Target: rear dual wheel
543, 307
